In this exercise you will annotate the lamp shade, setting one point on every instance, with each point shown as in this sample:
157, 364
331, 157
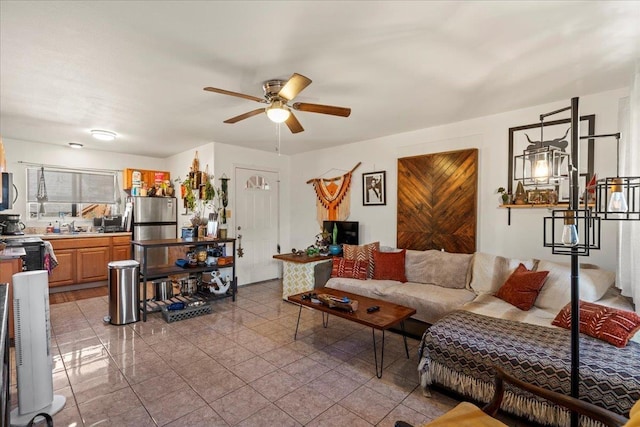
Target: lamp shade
278, 112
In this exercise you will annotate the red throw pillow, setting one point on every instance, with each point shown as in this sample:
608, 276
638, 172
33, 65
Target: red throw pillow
522, 288
349, 268
605, 323
389, 266
362, 253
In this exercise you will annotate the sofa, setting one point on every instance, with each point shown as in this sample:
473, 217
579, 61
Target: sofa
473, 329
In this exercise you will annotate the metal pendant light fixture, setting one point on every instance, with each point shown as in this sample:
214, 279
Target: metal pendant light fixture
618, 198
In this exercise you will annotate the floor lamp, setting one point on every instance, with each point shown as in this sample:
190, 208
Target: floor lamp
575, 231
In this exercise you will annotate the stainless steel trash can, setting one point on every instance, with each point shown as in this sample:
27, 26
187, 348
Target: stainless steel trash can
124, 292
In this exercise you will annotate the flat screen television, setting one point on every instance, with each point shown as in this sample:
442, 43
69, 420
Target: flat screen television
347, 231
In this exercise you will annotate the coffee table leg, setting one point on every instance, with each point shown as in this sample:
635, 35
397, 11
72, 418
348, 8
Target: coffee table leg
404, 337
375, 353
295, 336
325, 321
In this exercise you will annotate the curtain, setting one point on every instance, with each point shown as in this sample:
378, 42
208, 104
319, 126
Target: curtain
629, 231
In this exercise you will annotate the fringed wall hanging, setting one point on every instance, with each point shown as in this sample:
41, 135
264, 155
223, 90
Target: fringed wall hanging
333, 202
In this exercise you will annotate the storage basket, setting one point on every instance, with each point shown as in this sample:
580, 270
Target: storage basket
186, 313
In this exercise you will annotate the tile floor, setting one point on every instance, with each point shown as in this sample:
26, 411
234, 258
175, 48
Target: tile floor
238, 366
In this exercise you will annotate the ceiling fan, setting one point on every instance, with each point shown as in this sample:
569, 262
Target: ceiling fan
278, 93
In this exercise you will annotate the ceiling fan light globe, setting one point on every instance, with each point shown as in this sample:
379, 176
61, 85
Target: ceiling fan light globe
278, 114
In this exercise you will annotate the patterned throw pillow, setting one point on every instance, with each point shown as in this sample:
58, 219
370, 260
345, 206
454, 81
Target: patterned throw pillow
609, 324
522, 288
389, 266
363, 253
349, 268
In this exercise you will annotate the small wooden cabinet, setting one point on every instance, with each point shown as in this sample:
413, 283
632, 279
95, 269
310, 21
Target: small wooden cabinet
121, 248
148, 177
91, 264
65, 272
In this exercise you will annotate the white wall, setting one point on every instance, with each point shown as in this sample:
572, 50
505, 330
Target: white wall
57, 155
490, 135
222, 159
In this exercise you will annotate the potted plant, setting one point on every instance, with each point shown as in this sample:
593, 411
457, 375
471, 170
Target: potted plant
335, 248
504, 195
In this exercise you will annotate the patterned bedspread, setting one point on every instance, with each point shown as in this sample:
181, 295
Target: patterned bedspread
459, 350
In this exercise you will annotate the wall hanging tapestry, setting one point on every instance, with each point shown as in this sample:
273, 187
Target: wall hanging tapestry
333, 202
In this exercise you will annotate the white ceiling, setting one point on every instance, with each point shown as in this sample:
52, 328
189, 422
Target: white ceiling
139, 67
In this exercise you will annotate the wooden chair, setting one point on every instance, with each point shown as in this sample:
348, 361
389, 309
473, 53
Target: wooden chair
467, 414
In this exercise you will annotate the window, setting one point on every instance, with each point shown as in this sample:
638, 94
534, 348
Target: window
256, 182
81, 194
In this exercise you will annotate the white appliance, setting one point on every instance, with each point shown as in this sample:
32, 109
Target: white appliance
33, 348
154, 218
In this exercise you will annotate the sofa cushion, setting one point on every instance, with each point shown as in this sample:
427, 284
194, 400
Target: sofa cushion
556, 293
522, 287
349, 268
430, 301
439, 268
367, 288
489, 272
361, 253
389, 266
605, 323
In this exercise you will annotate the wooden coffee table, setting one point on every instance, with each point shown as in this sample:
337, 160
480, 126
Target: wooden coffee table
388, 315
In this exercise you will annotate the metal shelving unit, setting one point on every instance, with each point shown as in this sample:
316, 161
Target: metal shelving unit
148, 273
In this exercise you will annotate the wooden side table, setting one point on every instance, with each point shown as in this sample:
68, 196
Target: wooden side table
297, 272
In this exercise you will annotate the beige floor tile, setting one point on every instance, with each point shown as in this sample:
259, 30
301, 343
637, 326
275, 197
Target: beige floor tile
304, 404
403, 413
106, 409
100, 385
252, 369
68, 416
334, 385
204, 416
305, 370
281, 357
270, 415
338, 416
157, 387
215, 386
239, 405
174, 405
275, 385
368, 404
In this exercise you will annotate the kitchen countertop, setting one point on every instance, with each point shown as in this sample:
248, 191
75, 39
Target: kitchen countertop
11, 253
55, 236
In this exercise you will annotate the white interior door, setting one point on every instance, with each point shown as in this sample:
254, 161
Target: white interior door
256, 211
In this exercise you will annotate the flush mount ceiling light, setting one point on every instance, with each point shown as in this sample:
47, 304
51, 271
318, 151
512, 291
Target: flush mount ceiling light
103, 135
278, 112
75, 145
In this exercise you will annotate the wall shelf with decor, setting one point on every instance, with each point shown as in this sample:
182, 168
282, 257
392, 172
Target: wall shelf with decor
537, 206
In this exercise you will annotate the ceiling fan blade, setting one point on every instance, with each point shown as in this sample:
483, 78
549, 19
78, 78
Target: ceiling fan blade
294, 86
239, 95
323, 109
245, 116
293, 124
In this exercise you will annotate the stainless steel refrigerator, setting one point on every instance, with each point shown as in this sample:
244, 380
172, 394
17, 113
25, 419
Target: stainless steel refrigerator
154, 218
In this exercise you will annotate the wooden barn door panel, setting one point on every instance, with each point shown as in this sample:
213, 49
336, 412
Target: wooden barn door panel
437, 196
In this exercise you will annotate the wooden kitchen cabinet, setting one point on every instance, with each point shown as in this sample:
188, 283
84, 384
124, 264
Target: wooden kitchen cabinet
65, 273
121, 248
86, 259
148, 177
91, 264
8, 268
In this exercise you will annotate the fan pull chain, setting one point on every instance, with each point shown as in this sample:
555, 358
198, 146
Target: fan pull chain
278, 134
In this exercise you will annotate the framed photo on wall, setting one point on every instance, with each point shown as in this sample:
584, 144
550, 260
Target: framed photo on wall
374, 188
